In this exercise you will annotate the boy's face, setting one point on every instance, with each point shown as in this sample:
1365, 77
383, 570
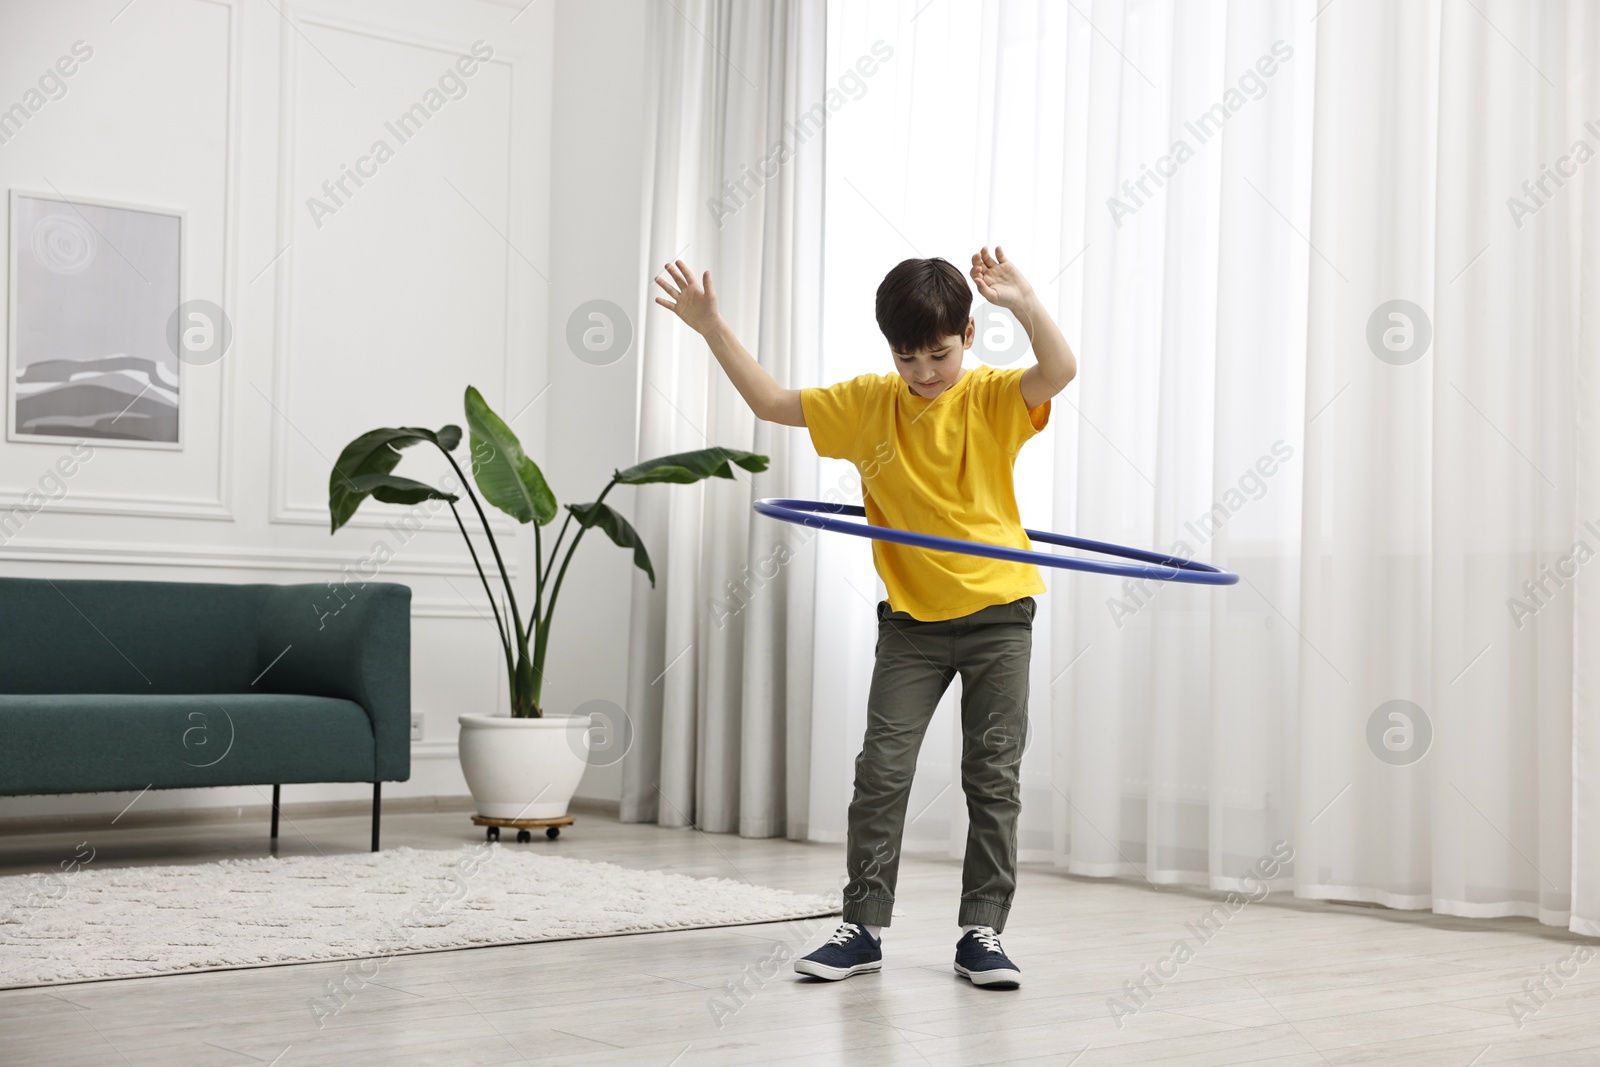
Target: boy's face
930, 371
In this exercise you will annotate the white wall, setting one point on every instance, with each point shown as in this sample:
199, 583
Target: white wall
597, 197
448, 267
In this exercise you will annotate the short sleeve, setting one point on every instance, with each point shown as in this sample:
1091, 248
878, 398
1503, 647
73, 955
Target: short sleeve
1009, 418
835, 414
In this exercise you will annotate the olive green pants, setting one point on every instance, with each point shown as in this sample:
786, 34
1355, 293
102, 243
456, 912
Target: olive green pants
916, 661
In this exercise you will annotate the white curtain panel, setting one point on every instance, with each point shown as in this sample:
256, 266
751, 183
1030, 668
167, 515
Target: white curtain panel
711, 645
1327, 268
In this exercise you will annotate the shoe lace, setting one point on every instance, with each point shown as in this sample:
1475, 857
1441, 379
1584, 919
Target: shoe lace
845, 932
987, 938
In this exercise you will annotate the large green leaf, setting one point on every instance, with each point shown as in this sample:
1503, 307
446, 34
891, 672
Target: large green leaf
375, 452
393, 489
618, 529
685, 467
507, 478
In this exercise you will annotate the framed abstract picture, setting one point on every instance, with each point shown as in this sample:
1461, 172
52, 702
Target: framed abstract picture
94, 289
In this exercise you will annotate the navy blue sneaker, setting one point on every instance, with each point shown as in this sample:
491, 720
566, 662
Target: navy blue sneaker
850, 950
980, 958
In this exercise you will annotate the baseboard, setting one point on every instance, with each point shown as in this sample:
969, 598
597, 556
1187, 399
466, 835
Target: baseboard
53, 824
595, 806
321, 809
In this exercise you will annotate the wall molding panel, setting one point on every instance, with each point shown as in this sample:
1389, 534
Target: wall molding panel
291, 226
217, 506
140, 554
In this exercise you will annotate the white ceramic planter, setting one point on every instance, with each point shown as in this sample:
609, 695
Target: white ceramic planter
522, 768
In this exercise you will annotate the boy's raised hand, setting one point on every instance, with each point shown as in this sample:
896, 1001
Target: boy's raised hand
998, 279
693, 302
1002, 284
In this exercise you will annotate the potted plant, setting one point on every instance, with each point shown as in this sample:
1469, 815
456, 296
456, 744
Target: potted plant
521, 766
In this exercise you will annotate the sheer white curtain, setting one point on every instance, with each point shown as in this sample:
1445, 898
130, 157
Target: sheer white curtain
721, 730
1318, 345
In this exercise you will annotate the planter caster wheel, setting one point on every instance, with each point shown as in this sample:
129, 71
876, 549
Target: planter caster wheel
525, 828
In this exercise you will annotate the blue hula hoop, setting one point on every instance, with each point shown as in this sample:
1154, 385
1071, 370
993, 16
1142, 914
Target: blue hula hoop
1156, 565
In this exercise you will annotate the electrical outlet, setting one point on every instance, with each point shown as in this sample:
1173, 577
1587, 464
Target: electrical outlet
416, 726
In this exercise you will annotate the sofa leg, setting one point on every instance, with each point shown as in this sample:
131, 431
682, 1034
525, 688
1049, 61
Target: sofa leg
377, 806
275, 789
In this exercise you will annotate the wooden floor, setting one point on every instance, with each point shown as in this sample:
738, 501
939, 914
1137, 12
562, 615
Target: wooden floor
1284, 983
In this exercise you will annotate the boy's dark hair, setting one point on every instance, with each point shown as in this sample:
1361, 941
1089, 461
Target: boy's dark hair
921, 302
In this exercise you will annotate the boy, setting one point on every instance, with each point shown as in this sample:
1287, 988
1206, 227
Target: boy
935, 444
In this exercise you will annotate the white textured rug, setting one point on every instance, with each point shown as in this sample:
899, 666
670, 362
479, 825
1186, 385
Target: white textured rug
92, 925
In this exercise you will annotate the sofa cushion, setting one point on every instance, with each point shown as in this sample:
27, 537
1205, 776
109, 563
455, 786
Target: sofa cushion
75, 742
92, 636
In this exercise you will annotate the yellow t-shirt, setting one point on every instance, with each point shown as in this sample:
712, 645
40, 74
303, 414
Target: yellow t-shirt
940, 466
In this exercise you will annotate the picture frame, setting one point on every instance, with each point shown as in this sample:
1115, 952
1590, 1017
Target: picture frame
94, 287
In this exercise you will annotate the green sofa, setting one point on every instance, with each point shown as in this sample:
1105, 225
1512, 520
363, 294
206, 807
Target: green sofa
112, 685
